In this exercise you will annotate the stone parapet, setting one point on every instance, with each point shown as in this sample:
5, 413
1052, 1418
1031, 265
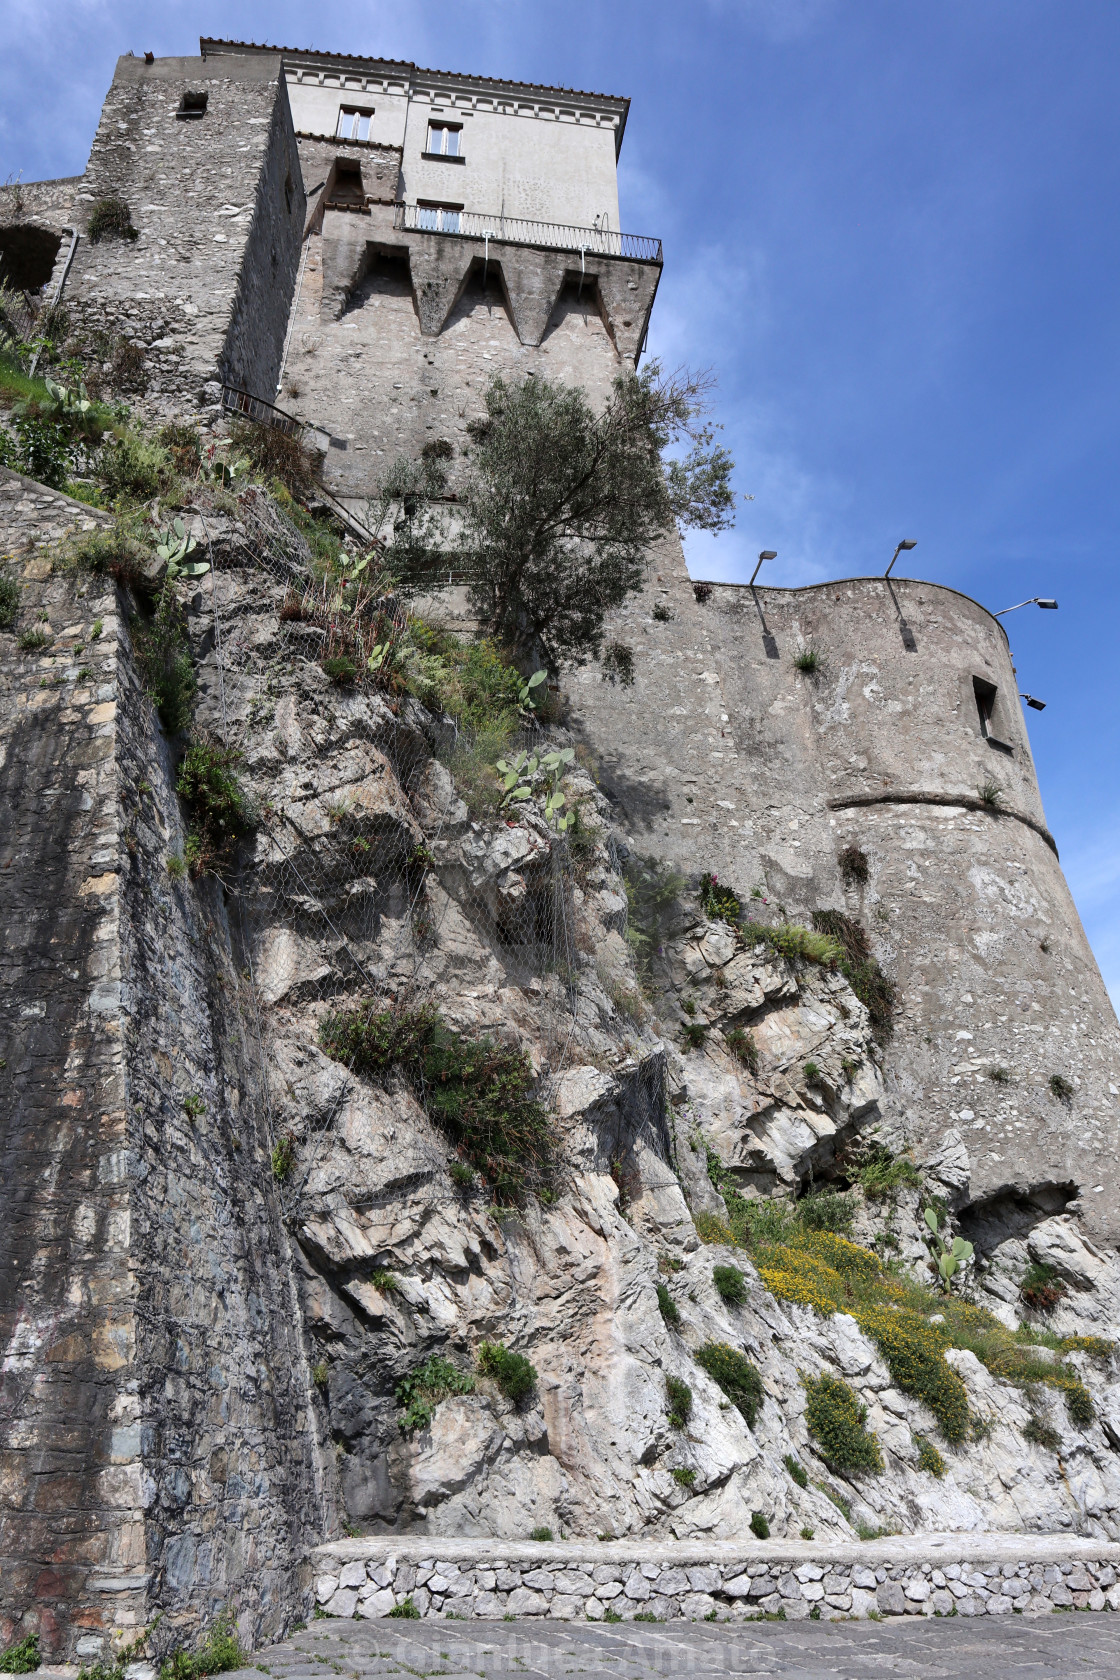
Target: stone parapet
912, 1575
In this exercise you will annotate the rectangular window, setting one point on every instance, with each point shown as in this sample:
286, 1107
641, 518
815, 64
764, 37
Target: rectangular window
192, 106
353, 123
438, 218
986, 695
445, 139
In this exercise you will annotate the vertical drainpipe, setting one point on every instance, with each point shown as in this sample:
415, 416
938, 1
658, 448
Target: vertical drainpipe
73, 232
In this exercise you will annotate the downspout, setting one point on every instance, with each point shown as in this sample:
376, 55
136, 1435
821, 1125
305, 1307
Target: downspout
73, 232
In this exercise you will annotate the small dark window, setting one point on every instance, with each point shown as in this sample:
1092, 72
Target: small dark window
192, 106
986, 696
347, 187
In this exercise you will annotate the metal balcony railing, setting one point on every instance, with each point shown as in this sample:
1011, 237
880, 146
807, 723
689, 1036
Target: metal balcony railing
514, 230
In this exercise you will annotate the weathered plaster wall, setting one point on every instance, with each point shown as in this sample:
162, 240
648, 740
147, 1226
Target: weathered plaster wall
726, 759
158, 1444
361, 365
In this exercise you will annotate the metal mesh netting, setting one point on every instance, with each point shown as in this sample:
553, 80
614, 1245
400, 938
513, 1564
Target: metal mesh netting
381, 879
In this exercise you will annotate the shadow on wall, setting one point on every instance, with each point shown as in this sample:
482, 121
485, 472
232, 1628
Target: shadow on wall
27, 256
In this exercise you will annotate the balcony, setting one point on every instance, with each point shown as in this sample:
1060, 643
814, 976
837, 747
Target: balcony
514, 230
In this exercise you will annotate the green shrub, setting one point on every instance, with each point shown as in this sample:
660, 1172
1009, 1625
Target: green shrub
679, 1396
826, 1210
929, 1459
43, 449
735, 1375
796, 1470
694, 1034
743, 1047
1041, 1288
209, 786
719, 903
424, 1387
1060, 1087
838, 1423
880, 1173
541, 1533
760, 1525
808, 660
23, 1657
163, 655
120, 552
406, 1611
512, 1372
793, 942
462, 1175
684, 1478
913, 1351
341, 670
110, 218
134, 467
1042, 1434
283, 1159
860, 969
9, 602
33, 641
812, 1073
731, 1285
321, 1374
476, 1090
807, 1533
667, 1306
221, 1652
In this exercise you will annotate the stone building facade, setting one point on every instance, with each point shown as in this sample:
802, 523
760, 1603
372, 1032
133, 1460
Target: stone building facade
367, 244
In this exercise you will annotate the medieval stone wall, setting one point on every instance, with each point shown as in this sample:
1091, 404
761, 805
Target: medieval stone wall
158, 1441
206, 284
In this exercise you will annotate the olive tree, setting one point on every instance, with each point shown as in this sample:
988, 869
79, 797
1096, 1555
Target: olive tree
560, 504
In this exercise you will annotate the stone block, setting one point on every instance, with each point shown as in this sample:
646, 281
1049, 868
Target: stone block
379, 1603
941, 1602
1016, 1587
522, 1602
864, 1578
890, 1599
707, 1579
695, 1606
1079, 1579
1000, 1606
863, 1602
325, 1587
1060, 1594
670, 1581
637, 1587
565, 1606
917, 1589
789, 1586
541, 1580
608, 1589
593, 1610
971, 1605
809, 1572
770, 1605
342, 1603
352, 1575
838, 1600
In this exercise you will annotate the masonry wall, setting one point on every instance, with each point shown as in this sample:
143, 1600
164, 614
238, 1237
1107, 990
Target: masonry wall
724, 758
159, 1449
205, 287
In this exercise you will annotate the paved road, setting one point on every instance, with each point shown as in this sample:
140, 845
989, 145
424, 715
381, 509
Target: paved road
1081, 1645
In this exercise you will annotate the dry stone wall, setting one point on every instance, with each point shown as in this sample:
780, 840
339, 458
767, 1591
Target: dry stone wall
934, 1575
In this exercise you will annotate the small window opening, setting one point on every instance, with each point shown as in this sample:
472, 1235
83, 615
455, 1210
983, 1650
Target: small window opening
288, 193
353, 123
438, 218
445, 139
347, 188
986, 696
192, 106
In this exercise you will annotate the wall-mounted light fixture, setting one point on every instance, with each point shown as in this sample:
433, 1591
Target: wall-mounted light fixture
904, 545
1036, 705
770, 646
1035, 601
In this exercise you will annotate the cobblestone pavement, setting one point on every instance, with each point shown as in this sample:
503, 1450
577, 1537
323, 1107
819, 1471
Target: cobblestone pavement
1084, 1645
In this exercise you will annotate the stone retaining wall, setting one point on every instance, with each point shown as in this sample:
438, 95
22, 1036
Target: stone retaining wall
924, 1575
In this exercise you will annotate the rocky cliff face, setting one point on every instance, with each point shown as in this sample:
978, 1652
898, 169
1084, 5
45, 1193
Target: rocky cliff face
303, 1232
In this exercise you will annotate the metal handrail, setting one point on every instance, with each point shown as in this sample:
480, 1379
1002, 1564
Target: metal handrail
515, 230
237, 401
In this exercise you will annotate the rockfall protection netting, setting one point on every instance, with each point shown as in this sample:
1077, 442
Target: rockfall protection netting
381, 882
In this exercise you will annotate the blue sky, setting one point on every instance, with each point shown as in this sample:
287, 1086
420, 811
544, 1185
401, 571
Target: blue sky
890, 228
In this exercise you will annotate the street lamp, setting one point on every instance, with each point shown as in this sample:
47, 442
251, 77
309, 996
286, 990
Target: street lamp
1036, 705
906, 544
1035, 601
767, 554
